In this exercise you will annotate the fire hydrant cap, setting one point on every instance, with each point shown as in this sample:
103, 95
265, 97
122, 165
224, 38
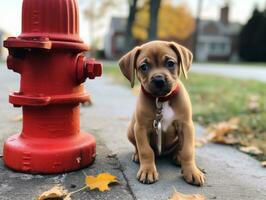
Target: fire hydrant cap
56, 20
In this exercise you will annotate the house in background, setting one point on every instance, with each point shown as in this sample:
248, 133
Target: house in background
217, 40
3, 51
114, 41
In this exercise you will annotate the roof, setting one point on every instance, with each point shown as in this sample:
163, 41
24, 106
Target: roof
118, 24
222, 29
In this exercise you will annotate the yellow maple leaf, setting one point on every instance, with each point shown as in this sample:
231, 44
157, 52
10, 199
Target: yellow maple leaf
101, 181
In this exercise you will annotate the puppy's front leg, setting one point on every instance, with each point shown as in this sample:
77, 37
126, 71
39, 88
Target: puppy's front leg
147, 172
190, 171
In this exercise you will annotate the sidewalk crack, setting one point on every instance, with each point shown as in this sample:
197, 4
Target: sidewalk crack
120, 167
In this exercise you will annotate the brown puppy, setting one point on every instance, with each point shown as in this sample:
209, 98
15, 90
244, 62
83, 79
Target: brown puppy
158, 65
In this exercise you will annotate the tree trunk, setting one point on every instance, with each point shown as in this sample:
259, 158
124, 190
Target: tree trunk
130, 22
154, 12
196, 33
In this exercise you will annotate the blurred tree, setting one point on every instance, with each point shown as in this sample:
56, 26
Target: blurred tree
153, 22
95, 12
196, 32
174, 22
252, 38
130, 22
140, 26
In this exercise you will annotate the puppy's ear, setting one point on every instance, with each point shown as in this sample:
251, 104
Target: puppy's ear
184, 56
127, 64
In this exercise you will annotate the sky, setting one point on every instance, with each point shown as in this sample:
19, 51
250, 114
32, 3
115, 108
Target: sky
240, 11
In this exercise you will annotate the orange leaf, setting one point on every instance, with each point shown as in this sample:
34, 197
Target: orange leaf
253, 104
200, 142
101, 181
179, 196
220, 132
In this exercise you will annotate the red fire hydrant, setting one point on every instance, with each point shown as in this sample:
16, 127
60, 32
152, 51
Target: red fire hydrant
47, 55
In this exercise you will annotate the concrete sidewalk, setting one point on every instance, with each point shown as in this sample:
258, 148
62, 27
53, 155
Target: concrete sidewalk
230, 174
19, 186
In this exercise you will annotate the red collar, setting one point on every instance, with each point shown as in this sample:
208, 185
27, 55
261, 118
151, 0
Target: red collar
163, 98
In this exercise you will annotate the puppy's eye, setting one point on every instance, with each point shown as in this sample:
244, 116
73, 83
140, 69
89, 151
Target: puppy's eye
144, 67
170, 64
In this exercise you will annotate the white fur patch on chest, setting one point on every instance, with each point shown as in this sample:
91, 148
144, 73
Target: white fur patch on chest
168, 116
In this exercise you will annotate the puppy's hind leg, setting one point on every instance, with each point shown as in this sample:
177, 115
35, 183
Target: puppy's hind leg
131, 138
175, 155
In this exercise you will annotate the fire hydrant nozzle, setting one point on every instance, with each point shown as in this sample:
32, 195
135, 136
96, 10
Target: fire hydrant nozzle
93, 68
48, 55
88, 68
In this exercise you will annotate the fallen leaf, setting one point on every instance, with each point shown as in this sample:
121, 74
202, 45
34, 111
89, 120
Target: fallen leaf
111, 155
251, 150
201, 142
219, 132
263, 163
253, 104
58, 192
179, 196
17, 118
101, 181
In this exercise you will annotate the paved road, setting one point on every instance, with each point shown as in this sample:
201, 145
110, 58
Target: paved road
230, 174
231, 70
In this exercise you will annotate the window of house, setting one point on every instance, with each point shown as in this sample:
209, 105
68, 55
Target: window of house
120, 42
218, 48
201, 45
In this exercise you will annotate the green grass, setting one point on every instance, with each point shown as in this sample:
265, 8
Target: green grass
216, 98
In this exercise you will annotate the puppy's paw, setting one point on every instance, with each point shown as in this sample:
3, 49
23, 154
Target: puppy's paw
135, 157
147, 174
193, 175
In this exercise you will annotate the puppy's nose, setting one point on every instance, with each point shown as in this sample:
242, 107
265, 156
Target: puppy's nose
158, 80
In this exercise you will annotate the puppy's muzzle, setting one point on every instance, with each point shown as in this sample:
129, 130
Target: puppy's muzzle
159, 86
159, 81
